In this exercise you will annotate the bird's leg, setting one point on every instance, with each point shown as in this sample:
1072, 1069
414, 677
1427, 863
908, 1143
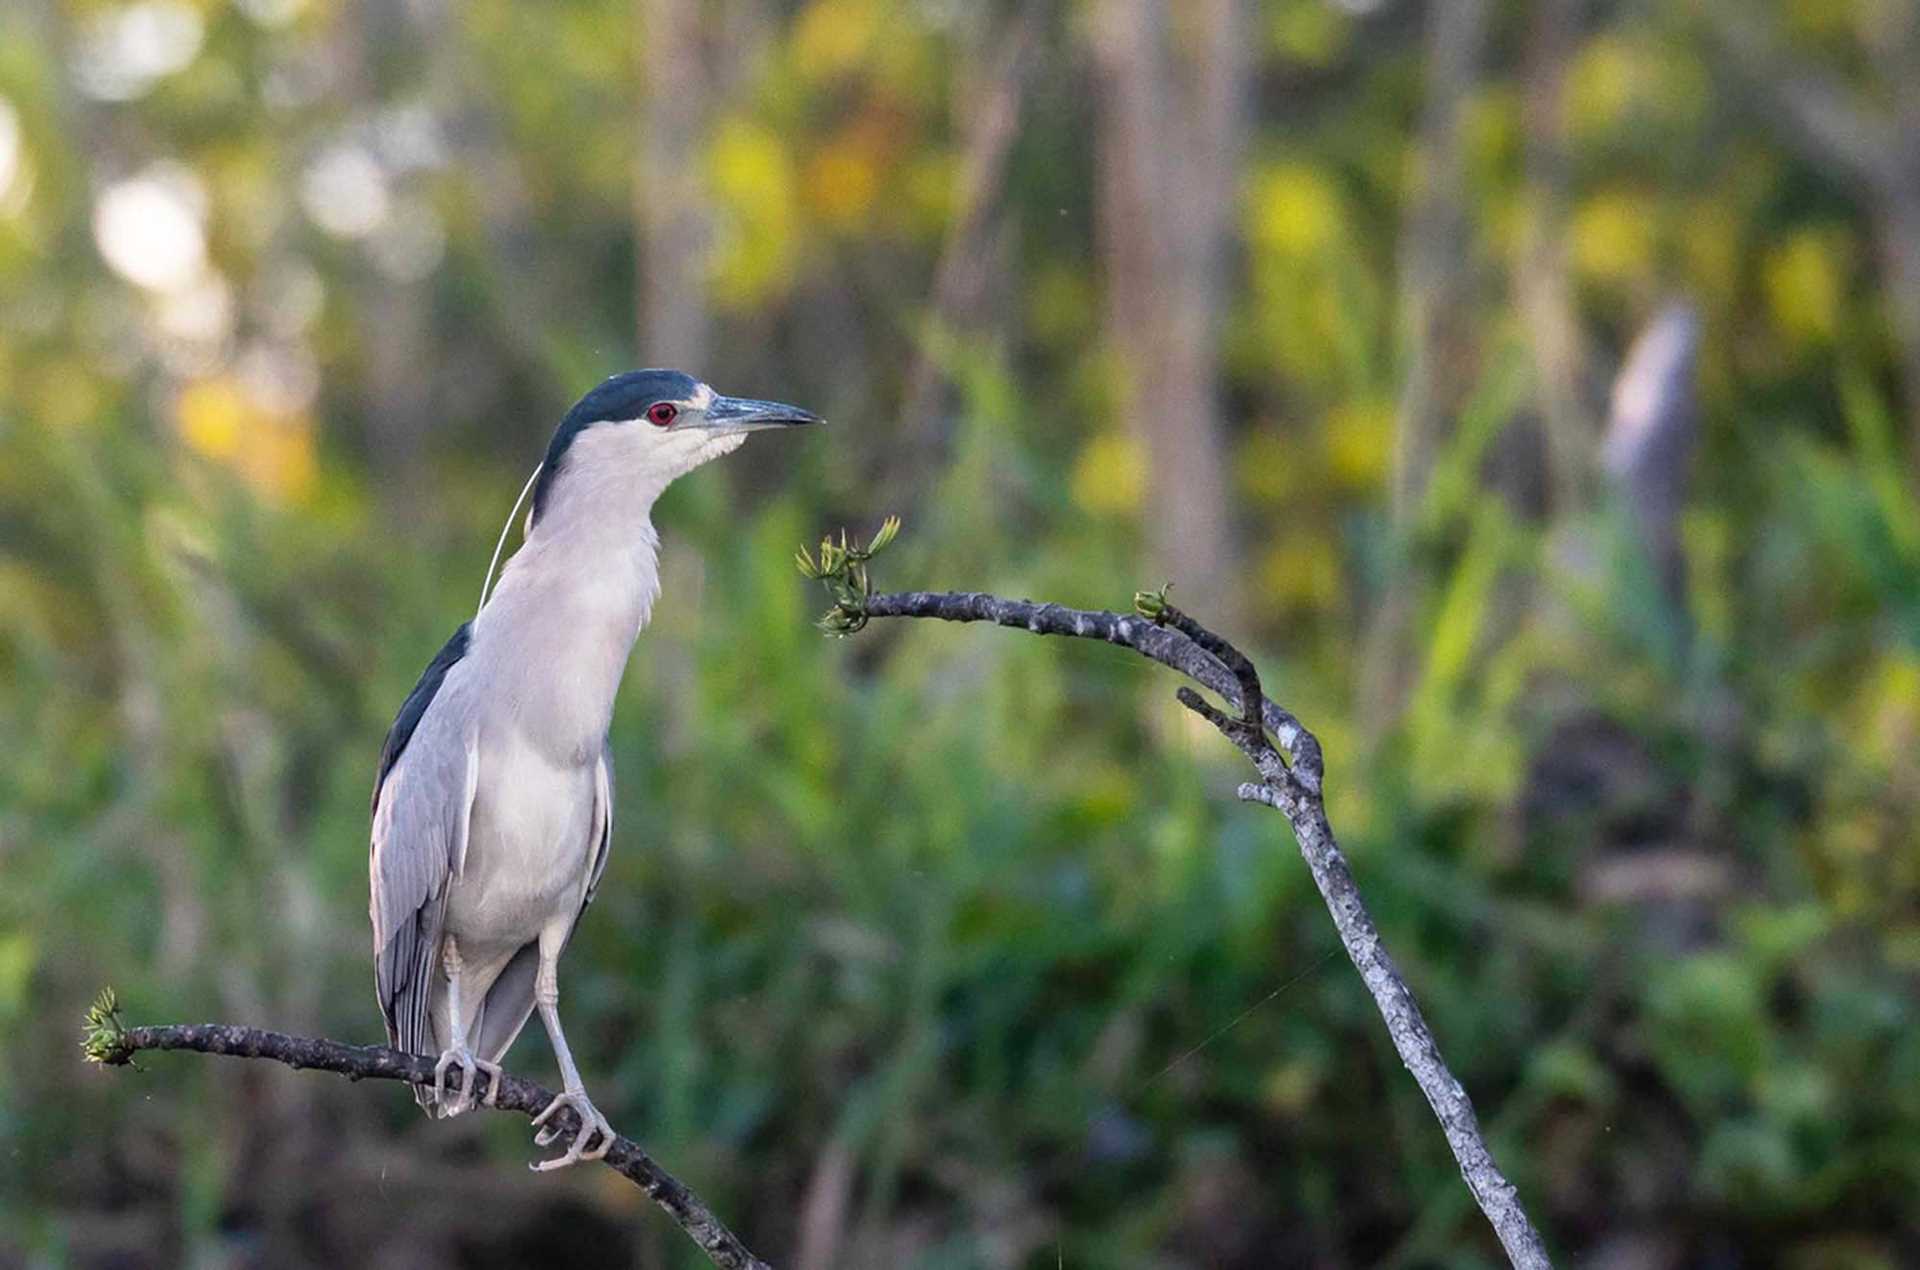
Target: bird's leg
457, 1053
546, 995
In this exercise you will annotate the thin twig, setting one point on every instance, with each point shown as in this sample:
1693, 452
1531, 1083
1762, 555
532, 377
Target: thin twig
111, 1043
1294, 789
1168, 647
1252, 700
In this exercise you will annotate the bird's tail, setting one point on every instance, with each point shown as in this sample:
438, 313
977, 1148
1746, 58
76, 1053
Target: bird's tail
429, 1045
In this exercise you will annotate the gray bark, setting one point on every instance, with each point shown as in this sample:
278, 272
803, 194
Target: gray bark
363, 1062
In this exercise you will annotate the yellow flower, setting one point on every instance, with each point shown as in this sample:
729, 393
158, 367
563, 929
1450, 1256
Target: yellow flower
1612, 237
1804, 278
834, 36
1110, 476
841, 184
1294, 211
1310, 32
1601, 87
1359, 440
1618, 84
1302, 573
270, 450
753, 186
211, 414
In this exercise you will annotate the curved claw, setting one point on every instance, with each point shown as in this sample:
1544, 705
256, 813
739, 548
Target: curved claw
592, 1142
448, 1058
470, 1066
494, 1072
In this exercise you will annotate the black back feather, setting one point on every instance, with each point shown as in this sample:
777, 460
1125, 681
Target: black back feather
414, 708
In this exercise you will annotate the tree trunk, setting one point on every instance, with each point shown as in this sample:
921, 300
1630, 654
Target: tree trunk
1542, 283
1171, 133
670, 286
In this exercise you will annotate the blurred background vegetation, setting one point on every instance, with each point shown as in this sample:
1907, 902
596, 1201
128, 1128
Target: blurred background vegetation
1536, 386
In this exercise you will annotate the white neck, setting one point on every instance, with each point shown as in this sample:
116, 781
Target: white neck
559, 627
557, 631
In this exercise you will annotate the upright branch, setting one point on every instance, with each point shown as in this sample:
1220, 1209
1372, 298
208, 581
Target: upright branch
1288, 759
109, 1041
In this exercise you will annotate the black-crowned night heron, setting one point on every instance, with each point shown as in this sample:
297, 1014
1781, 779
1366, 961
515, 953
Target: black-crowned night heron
493, 808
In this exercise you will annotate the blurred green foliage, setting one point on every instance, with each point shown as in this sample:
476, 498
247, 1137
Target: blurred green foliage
950, 943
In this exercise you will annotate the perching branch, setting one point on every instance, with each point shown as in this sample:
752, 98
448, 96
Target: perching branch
110, 1042
1290, 782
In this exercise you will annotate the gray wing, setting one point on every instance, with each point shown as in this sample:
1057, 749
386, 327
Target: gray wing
422, 809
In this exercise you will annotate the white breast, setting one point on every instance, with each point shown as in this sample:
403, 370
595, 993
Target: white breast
530, 848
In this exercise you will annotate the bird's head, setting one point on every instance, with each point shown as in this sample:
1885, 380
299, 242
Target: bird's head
635, 432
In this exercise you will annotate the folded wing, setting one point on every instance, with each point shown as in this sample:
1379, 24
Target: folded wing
422, 808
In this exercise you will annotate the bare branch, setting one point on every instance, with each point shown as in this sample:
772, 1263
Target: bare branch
1169, 647
113, 1044
1239, 731
1252, 699
1255, 792
1294, 791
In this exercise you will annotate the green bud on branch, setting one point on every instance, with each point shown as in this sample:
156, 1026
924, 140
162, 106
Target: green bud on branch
1153, 605
102, 1033
841, 567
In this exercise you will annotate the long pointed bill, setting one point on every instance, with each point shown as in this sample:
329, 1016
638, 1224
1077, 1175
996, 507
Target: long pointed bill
741, 414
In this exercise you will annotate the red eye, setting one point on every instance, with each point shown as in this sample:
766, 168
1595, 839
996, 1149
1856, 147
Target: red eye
662, 413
